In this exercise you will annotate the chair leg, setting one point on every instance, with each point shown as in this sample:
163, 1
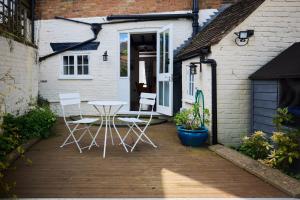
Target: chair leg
124, 138
94, 138
71, 132
142, 133
110, 131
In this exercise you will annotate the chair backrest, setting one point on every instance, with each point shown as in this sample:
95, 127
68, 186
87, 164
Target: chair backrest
69, 99
148, 99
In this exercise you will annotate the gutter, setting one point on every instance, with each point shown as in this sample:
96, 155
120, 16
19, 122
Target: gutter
32, 20
213, 64
95, 27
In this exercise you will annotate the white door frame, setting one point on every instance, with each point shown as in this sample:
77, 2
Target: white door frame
155, 30
165, 77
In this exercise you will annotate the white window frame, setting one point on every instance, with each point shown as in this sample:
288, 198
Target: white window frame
190, 86
76, 76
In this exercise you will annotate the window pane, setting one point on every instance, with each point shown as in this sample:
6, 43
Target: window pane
66, 70
66, 60
161, 92
79, 69
71, 60
161, 53
71, 69
85, 60
79, 60
123, 54
166, 94
86, 69
166, 52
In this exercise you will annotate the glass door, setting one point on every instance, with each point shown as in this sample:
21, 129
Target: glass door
165, 71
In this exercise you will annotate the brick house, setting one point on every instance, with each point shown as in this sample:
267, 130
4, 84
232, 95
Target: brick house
227, 87
130, 34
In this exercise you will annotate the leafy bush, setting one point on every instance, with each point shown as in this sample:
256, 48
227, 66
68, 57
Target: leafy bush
256, 146
34, 124
189, 119
286, 151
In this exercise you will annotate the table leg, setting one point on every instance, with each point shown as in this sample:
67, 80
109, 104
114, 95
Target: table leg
105, 136
109, 126
113, 122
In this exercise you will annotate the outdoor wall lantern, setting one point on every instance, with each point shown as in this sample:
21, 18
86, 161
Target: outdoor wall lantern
243, 37
193, 68
105, 56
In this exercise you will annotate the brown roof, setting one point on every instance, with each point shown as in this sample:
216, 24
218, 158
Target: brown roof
285, 65
219, 27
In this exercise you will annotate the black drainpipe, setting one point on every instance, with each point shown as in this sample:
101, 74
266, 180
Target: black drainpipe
195, 17
32, 19
95, 27
213, 64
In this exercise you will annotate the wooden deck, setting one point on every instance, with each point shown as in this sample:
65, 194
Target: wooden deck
172, 170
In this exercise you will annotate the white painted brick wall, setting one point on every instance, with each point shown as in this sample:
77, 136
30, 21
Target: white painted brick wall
277, 26
104, 85
18, 76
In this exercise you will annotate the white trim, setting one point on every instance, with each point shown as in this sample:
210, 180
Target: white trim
76, 76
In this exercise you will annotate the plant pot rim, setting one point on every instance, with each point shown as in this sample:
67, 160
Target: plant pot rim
201, 129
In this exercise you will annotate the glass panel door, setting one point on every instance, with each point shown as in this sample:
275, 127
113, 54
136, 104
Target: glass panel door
165, 71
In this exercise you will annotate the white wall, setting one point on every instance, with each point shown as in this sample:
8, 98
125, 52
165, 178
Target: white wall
18, 76
277, 26
104, 84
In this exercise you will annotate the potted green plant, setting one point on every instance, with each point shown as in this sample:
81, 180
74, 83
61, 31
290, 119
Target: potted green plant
191, 123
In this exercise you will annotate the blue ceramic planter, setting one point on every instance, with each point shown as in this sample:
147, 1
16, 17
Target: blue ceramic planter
193, 138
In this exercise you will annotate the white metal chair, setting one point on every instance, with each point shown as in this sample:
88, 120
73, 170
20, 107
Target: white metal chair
146, 99
73, 99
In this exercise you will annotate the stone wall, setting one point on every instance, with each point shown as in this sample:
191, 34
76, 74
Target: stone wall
18, 76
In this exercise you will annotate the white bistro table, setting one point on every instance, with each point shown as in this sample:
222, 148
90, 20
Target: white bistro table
108, 111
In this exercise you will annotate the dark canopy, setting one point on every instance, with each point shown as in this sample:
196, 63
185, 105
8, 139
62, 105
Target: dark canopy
60, 46
285, 65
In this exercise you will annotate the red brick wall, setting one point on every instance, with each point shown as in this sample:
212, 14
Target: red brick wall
47, 9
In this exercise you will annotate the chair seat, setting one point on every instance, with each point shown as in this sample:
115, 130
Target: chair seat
131, 120
84, 121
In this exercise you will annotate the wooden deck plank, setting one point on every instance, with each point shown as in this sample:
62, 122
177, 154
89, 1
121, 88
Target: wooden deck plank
171, 170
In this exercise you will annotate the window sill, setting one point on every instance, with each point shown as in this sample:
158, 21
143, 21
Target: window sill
188, 100
85, 77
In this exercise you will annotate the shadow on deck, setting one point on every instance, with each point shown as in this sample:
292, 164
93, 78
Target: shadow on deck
171, 170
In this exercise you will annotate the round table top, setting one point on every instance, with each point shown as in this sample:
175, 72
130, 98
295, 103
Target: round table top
107, 103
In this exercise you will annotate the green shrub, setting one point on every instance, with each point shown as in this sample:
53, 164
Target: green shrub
256, 146
286, 151
34, 124
190, 120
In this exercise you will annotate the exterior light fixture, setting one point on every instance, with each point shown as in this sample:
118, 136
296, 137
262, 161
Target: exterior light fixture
243, 37
193, 68
105, 56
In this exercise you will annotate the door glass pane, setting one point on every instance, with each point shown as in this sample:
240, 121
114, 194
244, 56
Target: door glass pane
161, 92
123, 54
166, 94
166, 52
161, 52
